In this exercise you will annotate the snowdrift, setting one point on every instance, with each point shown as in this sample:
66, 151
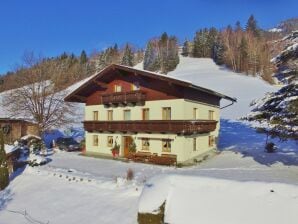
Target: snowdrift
193, 199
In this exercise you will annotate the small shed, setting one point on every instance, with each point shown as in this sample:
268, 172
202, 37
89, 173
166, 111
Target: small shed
14, 129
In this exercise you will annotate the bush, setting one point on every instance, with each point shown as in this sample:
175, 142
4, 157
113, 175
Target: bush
270, 147
4, 177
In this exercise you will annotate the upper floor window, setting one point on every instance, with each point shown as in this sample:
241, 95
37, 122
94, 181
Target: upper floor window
211, 115
126, 115
117, 88
194, 113
110, 115
95, 115
166, 113
166, 145
145, 114
135, 86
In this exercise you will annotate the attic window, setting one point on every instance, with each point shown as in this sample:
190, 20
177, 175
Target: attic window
135, 86
117, 88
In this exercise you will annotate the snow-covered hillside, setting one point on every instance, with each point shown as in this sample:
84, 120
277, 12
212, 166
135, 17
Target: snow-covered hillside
204, 72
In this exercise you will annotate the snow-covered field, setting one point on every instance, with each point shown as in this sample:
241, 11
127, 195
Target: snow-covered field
204, 72
75, 189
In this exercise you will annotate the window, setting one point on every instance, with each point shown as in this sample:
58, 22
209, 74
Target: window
166, 145
166, 113
145, 115
194, 113
126, 115
211, 141
145, 144
110, 115
194, 144
95, 140
135, 86
117, 88
95, 115
110, 141
211, 115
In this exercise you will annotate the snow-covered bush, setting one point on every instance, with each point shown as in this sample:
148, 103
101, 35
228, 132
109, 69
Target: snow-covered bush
36, 160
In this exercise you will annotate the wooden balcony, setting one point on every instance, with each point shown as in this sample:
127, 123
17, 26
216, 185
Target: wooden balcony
124, 97
181, 127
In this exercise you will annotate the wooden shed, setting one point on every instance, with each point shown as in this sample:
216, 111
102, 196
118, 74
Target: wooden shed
14, 129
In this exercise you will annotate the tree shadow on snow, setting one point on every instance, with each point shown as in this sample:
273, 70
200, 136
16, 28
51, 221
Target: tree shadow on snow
5, 197
240, 138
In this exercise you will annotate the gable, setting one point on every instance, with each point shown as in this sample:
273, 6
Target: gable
156, 87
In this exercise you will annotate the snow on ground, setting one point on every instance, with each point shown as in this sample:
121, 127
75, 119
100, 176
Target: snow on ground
54, 199
205, 73
206, 200
75, 189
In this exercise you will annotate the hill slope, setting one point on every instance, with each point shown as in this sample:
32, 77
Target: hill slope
204, 72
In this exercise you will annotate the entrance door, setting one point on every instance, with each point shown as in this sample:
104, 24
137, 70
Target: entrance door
127, 140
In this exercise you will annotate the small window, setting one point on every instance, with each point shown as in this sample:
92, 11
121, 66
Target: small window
145, 144
194, 113
166, 145
211, 141
95, 115
166, 113
194, 144
110, 141
95, 140
211, 115
117, 88
126, 115
135, 86
145, 114
110, 115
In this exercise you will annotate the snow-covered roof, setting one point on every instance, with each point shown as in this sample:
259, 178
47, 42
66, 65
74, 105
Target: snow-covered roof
177, 81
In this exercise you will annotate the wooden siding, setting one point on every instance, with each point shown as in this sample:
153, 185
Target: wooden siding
183, 127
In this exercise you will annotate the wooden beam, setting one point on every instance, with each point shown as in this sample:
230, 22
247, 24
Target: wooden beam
82, 98
101, 84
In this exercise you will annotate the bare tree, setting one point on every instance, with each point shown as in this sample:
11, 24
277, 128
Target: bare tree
41, 97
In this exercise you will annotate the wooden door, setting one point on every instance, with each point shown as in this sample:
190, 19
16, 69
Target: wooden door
127, 141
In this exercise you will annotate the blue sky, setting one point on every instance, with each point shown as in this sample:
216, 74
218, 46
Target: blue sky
54, 26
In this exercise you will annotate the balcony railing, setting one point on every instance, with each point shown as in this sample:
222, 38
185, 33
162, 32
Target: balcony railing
183, 127
124, 97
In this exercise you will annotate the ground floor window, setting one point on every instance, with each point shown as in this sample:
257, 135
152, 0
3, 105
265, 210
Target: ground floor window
211, 141
194, 144
110, 141
145, 144
166, 145
95, 140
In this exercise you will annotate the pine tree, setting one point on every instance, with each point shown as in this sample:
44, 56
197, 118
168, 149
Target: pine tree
252, 27
218, 51
243, 55
238, 27
128, 56
186, 49
83, 57
4, 175
151, 56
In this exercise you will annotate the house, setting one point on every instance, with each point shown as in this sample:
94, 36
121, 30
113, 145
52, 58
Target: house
161, 115
14, 129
